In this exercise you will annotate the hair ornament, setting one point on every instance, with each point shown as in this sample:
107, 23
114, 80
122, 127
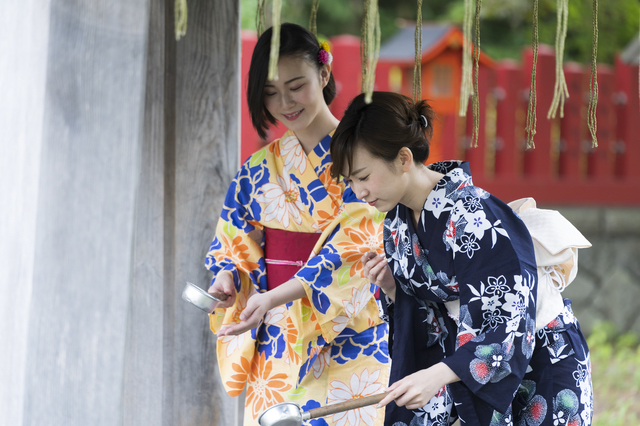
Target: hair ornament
325, 46
324, 55
423, 121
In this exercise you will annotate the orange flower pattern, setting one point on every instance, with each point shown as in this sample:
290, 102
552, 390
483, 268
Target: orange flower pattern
366, 237
265, 389
297, 350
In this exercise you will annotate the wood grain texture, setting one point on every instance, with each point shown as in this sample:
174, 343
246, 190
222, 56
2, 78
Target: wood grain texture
138, 145
206, 149
84, 228
23, 64
143, 381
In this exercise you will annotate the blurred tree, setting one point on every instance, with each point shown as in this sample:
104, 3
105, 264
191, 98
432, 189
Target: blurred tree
505, 24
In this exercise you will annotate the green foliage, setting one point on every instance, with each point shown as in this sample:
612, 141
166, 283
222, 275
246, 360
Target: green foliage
615, 360
505, 24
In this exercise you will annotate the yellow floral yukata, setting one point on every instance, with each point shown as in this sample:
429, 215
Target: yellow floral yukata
327, 347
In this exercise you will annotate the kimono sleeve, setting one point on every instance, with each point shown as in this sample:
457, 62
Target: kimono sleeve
341, 298
495, 269
237, 247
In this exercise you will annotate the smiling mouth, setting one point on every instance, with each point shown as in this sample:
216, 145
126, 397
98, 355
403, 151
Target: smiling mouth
293, 116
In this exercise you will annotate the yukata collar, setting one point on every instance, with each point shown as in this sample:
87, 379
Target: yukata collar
320, 149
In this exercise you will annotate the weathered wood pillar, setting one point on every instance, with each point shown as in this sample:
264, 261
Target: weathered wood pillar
201, 157
121, 143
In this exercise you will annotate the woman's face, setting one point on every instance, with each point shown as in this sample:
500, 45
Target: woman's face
376, 181
296, 98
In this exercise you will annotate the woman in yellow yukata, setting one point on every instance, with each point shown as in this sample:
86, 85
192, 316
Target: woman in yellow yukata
301, 322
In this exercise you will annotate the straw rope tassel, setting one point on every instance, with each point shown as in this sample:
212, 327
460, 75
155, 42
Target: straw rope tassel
531, 110
275, 41
466, 85
417, 66
313, 19
180, 11
593, 99
369, 47
476, 57
561, 92
260, 17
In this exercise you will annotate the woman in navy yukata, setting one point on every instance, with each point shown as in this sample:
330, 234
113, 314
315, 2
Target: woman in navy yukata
460, 282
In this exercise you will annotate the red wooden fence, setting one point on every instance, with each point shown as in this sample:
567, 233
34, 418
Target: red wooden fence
563, 169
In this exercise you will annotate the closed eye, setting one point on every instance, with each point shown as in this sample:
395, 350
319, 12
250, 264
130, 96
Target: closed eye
295, 89
364, 178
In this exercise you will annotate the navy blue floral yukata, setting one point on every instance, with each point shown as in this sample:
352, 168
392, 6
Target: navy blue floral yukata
470, 249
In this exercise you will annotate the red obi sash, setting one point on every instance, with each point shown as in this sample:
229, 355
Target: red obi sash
285, 253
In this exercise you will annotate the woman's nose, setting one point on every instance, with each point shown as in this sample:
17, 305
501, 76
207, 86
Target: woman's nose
286, 100
361, 192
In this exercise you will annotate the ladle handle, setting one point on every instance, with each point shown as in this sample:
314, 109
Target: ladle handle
345, 406
220, 296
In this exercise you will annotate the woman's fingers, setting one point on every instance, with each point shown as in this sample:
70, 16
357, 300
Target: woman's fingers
387, 399
378, 268
372, 264
229, 301
393, 392
224, 284
243, 326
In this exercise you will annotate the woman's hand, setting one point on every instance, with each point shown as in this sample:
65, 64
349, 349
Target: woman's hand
251, 316
224, 284
378, 272
415, 390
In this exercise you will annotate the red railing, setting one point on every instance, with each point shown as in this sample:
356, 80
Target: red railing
563, 169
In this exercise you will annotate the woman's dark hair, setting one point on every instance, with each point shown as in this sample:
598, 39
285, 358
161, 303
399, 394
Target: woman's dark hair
390, 122
295, 41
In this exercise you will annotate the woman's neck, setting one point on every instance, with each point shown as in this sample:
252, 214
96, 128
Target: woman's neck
323, 124
421, 181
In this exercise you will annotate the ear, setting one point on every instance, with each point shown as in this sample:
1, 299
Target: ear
405, 156
325, 74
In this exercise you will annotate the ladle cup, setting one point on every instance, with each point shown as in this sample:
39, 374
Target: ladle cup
290, 413
201, 299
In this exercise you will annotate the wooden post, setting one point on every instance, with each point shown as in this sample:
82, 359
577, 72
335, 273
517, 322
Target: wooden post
601, 159
539, 163
508, 162
573, 128
482, 156
628, 129
134, 140
201, 158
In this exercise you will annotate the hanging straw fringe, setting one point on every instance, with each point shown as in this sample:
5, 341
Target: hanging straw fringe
466, 85
476, 57
593, 82
313, 27
531, 110
417, 66
370, 47
561, 92
275, 41
260, 18
180, 11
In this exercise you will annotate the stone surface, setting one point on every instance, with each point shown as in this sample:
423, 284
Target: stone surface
607, 287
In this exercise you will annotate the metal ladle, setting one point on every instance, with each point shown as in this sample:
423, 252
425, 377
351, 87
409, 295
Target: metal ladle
290, 413
201, 299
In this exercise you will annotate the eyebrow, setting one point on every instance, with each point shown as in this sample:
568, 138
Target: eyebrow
286, 82
355, 172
